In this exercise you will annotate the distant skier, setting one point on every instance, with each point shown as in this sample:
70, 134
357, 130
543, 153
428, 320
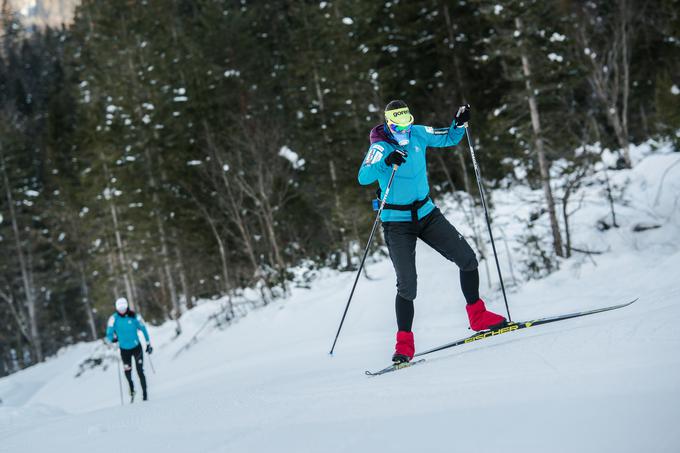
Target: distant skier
410, 214
122, 328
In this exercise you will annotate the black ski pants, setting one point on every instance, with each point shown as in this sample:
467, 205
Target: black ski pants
438, 233
127, 355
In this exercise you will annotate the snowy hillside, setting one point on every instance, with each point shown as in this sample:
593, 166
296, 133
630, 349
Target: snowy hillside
608, 382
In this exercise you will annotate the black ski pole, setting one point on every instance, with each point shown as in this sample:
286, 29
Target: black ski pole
486, 215
368, 245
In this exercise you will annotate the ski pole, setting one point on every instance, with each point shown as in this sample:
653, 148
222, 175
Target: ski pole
368, 245
478, 176
151, 363
120, 383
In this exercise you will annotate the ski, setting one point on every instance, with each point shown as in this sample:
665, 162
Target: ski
509, 327
513, 326
394, 367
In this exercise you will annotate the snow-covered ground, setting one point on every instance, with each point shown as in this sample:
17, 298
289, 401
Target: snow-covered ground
608, 382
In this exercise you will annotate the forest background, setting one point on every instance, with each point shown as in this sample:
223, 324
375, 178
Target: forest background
168, 151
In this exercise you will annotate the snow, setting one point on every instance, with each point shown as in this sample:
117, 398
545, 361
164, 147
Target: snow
497, 9
347, 20
500, 110
193, 163
552, 56
607, 382
675, 90
292, 157
556, 37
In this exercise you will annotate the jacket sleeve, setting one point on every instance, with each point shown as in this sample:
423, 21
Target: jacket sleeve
141, 326
441, 137
374, 165
109, 328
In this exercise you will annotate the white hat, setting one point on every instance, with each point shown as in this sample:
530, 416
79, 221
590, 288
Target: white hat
121, 305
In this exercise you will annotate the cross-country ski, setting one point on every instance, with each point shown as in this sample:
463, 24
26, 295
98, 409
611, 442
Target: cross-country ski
490, 333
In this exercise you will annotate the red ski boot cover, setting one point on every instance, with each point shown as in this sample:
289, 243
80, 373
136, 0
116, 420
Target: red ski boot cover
481, 318
405, 345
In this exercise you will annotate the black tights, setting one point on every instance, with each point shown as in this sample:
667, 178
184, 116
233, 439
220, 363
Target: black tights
404, 313
469, 283
127, 355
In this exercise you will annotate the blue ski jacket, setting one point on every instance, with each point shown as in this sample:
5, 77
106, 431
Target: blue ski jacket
125, 328
410, 181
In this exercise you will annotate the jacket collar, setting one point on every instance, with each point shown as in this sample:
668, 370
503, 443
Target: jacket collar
380, 134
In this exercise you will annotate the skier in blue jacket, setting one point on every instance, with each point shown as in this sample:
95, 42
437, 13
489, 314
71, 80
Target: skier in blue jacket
410, 214
122, 328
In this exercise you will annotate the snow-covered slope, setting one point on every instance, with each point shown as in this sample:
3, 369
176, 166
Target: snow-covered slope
609, 382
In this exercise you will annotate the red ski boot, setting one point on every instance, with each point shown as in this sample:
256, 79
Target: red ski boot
481, 318
405, 347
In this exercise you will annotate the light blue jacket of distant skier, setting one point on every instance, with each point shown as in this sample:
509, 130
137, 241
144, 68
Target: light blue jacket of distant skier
125, 328
410, 181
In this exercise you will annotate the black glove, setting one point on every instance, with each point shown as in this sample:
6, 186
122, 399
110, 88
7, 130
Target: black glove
463, 115
149, 349
396, 157
115, 339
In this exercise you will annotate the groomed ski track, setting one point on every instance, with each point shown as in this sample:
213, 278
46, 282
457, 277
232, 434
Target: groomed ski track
608, 382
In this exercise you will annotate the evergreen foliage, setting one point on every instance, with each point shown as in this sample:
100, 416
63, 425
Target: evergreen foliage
170, 150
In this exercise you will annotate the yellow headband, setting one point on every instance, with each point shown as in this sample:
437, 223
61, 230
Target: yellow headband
400, 116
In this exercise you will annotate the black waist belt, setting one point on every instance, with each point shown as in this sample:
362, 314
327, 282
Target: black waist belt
413, 207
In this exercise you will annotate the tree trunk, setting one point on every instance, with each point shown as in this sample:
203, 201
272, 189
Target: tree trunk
338, 209
18, 315
234, 209
268, 217
462, 98
624, 30
540, 151
188, 298
111, 259
610, 75
125, 268
122, 260
223, 256
85, 292
29, 290
176, 309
